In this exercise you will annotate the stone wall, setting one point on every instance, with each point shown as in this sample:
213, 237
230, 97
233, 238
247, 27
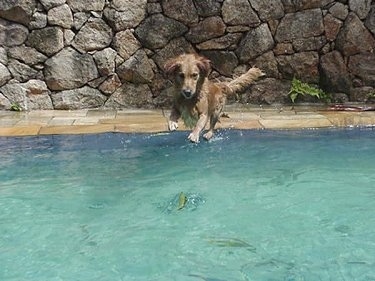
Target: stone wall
71, 54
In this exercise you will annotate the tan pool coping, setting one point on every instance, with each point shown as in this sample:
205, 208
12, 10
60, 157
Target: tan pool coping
88, 121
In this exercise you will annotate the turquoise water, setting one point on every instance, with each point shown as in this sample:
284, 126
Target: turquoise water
261, 205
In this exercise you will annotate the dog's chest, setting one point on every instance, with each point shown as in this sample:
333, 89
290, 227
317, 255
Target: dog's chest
190, 116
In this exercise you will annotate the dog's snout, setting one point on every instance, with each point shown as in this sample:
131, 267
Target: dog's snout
187, 93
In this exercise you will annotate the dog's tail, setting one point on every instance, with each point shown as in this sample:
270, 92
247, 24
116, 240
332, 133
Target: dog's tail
242, 82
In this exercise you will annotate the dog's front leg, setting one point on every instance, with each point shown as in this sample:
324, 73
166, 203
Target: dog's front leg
173, 118
194, 135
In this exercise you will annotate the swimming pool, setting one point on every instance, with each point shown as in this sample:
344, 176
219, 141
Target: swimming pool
261, 205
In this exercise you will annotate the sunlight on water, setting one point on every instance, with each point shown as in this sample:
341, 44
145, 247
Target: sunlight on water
248, 205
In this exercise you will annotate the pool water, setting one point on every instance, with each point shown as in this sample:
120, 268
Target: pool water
259, 205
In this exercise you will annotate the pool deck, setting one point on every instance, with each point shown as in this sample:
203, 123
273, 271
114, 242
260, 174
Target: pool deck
88, 121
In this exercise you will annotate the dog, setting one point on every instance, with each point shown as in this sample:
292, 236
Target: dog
197, 100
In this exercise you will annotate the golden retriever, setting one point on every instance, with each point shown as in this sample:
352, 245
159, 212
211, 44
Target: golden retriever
196, 99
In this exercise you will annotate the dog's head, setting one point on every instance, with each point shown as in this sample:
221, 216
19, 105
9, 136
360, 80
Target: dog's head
188, 72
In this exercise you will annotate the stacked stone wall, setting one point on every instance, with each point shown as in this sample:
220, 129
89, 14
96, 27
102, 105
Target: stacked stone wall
73, 54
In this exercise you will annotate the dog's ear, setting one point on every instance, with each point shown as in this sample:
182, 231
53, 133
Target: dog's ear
204, 65
171, 67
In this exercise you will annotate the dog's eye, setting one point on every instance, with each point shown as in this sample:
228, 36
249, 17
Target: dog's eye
181, 75
195, 76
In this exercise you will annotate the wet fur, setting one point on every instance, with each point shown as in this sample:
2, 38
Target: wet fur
197, 100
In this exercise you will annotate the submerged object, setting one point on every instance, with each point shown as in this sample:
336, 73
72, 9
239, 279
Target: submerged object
205, 278
231, 242
183, 202
182, 199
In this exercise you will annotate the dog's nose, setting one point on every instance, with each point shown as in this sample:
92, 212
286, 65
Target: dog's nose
187, 93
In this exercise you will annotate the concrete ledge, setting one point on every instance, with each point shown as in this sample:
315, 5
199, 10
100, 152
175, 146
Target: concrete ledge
137, 121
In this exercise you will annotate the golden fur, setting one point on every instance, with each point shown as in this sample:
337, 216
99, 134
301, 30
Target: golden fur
196, 99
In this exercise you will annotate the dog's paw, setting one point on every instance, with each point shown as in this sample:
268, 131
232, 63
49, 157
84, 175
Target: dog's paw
172, 125
194, 137
208, 135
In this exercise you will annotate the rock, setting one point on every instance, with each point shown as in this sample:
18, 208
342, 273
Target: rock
206, 29
69, 69
339, 98
283, 49
309, 44
79, 19
268, 64
362, 66
131, 95
137, 69
86, 6
182, 11
326, 3
4, 102
3, 56
303, 24
5, 75
38, 95
48, 4
154, 8
237, 28
125, 5
85, 97
21, 72
256, 42
124, 14
292, 6
176, 47
332, 27
208, 8
370, 20
110, 85
267, 91
68, 37
12, 34
61, 16
27, 55
17, 10
125, 43
360, 7
339, 11
156, 31
95, 83
164, 98
273, 24
303, 66
158, 85
239, 12
106, 61
222, 61
32, 95
268, 9
48, 40
228, 41
94, 35
38, 20
362, 94
348, 42
334, 76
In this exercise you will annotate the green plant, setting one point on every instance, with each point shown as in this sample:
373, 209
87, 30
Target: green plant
15, 107
299, 88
